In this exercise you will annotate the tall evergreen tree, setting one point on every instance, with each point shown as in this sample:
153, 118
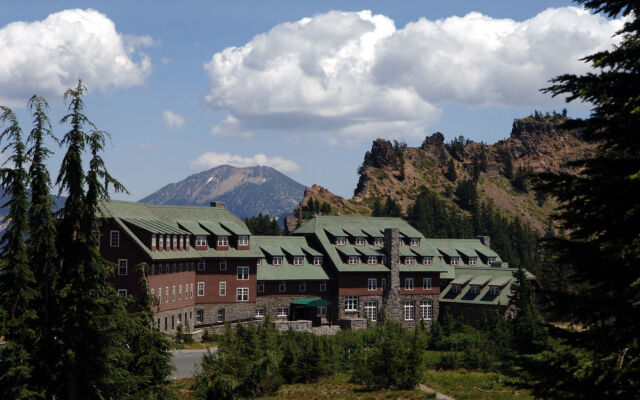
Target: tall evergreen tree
507, 170
600, 210
17, 283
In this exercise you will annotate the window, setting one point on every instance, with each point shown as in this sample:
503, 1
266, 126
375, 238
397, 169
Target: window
188, 242
303, 287
153, 269
123, 267
242, 294
282, 312
179, 292
181, 242
122, 292
201, 265
371, 310
243, 240
153, 240
223, 241
199, 315
153, 292
408, 310
200, 288
383, 283
166, 294
378, 242
473, 260
260, 312
350, 303
415, 242
455, 288
372, 260
454, 260
258, 262
277, 260
353, 260
173, 267
282, 287
372, 284
222, 288
191, 290
201, 241
260, 287
115, 239
317, 260
341, 240
159, 295
220, 314
426, 309
475, 289
173, 293
297, 260
360, 241
383, 260
408, 283
427, 260
494, 290
323, 286
160, 242
175, 242
426, 283
321, 312
223, 264
409, 260
491, 260
243, 273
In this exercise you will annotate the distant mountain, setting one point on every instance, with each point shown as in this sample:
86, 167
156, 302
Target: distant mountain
245, 191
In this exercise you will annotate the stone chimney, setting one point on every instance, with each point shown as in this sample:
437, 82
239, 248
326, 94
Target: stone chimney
486, 240
216, 204
392, 306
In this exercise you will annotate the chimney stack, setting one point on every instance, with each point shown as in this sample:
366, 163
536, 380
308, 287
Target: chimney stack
392, 305
485, 240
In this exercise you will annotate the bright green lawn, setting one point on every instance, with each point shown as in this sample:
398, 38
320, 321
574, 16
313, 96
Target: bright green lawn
472, 385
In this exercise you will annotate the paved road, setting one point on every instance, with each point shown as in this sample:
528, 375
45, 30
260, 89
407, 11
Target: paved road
185, 362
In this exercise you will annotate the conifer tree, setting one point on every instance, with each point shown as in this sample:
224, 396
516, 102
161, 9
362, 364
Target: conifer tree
507, 170
17, 283
451, 171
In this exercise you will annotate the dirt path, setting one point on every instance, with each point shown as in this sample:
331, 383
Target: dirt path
439, 395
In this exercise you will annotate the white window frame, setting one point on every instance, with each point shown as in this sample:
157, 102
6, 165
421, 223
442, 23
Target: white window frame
317, 260
323, 286
473, 260
371, 310
122, 292
242, 273
409, 312
455, 288
321, 311
303, 287
426, 310
223, 241
277, 260
114, 239
372, 260
341, 240
159, 295
153, 240
191, 290
175, 242
223, 264
378, 242
123, 263
242, 294
179, 292
428, 260
201, 241
474, 289
243, 240
222, 314
161, 242
173, 293
282, 312
282, 287
258, 262
181, 244
200, 315
414, 242
372, 284
351, 303
409, 283
359, 241
202, 265
298, 260
353, 260
222, 288
200, 289
166, 294
491, 260
260, 312
455, 260
494, 290
260, 286
427, 283
409, 260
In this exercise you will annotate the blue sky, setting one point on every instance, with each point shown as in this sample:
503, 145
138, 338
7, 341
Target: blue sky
184, 86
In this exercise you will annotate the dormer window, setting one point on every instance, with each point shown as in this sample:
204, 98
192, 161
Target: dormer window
188, 238
494, 290
409, 260
161, 242
377, 242
223, 241
415, 242
341, 241
473, 260
491, 260
153, 241
277, 260
175, 242
383, 260
475, 289
317, 260
297, 260
201, 241
455, 260
427, 260
353, 260
259, 262
360, 241
181, 242
372, 260
455, 288
243, 240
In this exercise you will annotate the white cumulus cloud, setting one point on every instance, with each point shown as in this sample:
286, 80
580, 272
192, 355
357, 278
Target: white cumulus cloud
49, 56
172, 120
211, 159
351, 76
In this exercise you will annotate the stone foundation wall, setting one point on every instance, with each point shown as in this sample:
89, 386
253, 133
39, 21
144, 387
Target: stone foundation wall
178, 315
353, 324
232, 312
296, 326
272, 303
362, 300
416, 309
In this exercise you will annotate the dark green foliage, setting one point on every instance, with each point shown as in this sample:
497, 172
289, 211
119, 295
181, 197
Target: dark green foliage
434, 218
528, 334
398, 152
467, 195
599, 209
325, 208
456, 147
507, 168
451, 174
263, 225
389, 209
520, 181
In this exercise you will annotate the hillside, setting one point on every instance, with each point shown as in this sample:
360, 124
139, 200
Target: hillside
400, 172
245, 191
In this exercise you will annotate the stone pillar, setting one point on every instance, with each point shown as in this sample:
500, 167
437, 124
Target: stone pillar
392, 306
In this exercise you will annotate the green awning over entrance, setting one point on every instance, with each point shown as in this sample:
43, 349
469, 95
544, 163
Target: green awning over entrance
307, 302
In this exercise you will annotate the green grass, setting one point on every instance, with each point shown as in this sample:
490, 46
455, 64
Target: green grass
473, 385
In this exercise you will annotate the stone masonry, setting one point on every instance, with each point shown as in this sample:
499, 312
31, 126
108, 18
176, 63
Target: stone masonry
392, 303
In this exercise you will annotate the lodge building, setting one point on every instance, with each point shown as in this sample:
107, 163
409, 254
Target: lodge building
204, 268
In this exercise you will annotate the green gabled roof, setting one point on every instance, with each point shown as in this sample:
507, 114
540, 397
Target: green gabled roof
237, 229
154, 226
311, 251
487, 252
348, 250
467, 252
480, 280
215, 228
287, 271
367, 251
448, 252
500, 281
293, 250
192, 227
335, 231
355, 232
502, 276
375, 233
462, 279
271, 250
405, 251
424, 251
410, 232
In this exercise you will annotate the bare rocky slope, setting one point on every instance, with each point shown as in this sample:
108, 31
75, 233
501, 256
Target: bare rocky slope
400, 172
